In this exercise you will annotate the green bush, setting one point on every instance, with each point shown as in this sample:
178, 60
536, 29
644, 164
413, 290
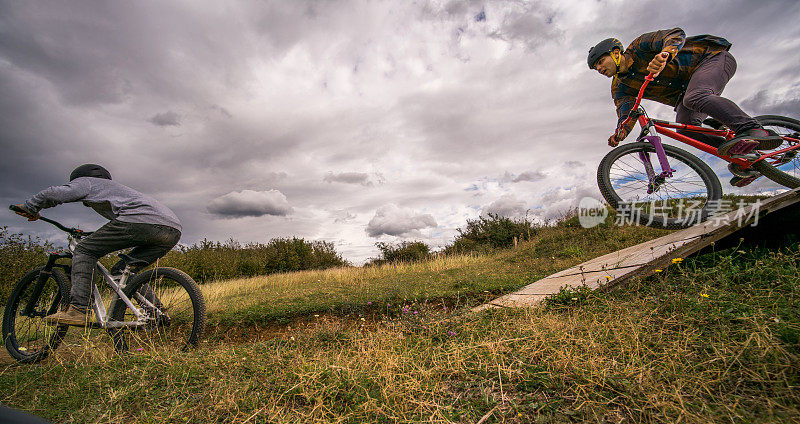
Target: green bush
18, 255
491, 232
407, 251
209, 260
203, 261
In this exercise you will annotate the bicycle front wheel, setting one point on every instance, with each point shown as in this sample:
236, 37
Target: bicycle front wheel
784, 169
686, 198
27, 337
174, 308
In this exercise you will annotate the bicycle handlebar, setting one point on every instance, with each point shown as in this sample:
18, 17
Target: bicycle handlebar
636, 104
71, 231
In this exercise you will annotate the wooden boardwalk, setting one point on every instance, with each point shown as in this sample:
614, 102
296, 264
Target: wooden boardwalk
644, 258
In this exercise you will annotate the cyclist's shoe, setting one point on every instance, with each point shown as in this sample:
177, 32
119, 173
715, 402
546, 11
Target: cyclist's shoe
737, 171
741, 182
749, 140
72, 316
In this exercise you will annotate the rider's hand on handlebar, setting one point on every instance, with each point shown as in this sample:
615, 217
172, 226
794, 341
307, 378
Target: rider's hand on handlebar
658, 63
618, 136
19, 210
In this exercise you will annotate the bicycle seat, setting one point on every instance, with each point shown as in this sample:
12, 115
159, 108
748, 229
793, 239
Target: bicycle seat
131, 261
713, 123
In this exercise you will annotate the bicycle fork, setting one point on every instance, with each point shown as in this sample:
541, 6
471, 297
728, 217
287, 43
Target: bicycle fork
655, 181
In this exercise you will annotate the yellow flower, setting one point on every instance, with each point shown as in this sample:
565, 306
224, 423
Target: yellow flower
677, 260
703, 295
657, 270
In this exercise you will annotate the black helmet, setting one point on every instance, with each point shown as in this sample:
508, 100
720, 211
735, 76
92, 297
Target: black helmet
604, 47
90, 170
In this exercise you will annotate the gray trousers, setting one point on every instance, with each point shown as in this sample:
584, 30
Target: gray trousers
702, 96
149, 242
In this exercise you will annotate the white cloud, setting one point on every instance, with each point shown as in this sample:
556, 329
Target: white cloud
237, 204
395, 221
507, 206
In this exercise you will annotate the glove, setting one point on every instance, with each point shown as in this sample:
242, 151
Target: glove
20, 210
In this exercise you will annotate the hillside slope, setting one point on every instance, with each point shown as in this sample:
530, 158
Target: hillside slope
712, 339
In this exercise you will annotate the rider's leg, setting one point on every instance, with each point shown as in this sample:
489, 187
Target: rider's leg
703, 95
107, 239
153, 241
113, 236
704, 89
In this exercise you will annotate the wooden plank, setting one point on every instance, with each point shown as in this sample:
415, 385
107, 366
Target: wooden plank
644, 258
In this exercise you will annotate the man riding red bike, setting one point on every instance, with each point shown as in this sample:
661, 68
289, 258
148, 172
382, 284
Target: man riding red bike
691, 73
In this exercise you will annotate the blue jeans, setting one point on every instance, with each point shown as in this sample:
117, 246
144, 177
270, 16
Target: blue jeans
149, 242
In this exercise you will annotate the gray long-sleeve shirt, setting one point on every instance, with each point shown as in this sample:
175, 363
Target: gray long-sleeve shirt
109, 198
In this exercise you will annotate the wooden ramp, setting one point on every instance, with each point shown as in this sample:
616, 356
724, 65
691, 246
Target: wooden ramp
644, 258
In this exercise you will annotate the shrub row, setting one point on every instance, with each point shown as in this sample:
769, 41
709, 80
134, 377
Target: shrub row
204, 261
210, 260
484, 234
18, 254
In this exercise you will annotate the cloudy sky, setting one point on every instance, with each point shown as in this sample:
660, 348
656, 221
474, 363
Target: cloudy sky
351, 121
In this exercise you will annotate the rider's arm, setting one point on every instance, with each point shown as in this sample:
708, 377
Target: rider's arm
56, 195
624, 100
668, 40
647, 47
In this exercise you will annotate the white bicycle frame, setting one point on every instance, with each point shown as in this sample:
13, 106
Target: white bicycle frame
100, 312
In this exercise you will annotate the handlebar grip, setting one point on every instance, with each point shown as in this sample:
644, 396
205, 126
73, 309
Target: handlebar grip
16, 208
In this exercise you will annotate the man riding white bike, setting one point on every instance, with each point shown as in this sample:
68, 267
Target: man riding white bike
136, 220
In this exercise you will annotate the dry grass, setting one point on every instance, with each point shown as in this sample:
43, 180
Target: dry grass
715, 339
365, 283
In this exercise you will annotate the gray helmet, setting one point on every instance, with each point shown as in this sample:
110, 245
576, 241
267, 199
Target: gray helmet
604, 47
90, 170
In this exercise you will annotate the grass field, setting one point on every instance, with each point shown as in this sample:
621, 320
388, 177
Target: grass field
712, 339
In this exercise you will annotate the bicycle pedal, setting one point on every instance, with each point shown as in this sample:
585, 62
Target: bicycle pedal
744, 147
741, 182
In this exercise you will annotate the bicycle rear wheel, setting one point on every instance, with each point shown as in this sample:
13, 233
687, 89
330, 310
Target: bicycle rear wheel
785, 168
175, 309
27, 337
687, 198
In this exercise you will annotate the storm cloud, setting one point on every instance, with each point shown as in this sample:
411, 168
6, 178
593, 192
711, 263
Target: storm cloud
308, 118
243, 203
360, 178
165, 119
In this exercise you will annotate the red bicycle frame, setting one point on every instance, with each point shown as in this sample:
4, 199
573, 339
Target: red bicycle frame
665, 128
